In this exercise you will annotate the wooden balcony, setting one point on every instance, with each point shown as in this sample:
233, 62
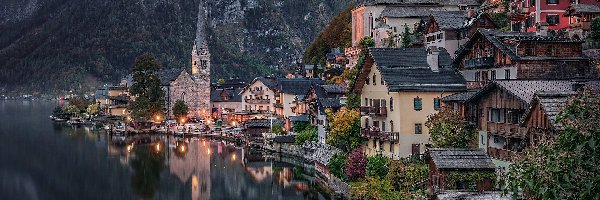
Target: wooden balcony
277, 105
257, 92
511, 130
379, 135
503, 154
482, 62
257, 101
364, 110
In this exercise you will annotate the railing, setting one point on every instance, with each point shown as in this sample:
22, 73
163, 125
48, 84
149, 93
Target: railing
380, 111
524, 10
503, 154
591, 45
586, 26
376, 134
506, 129
278, 105
479, 62
258, 101
257, 111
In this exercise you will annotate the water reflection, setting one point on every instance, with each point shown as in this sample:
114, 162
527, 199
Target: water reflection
65, 162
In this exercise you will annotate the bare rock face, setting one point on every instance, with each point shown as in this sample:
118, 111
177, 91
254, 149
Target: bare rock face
56, 45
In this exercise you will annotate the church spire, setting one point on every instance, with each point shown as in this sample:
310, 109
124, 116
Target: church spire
200, 40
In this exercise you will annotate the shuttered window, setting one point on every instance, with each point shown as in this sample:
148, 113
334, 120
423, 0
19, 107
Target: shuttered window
436, 104
418, 104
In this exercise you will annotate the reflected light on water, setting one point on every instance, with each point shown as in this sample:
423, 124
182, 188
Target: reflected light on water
233, 157
157, 147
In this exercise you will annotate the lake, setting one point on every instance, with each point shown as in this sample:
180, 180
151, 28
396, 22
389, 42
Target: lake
41, 159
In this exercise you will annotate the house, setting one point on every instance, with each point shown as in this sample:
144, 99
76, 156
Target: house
260, 96
225, 102
450, 30
313, 71
367, 15
512, 115
557, 14
113, 100
399, 88
291, 93
506, 55
319, 99
450, 168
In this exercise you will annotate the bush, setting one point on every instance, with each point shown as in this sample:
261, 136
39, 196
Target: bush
377, 166
374, 188
356, 164
308, 134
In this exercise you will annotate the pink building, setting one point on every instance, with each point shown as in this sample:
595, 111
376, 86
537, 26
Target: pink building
559, 14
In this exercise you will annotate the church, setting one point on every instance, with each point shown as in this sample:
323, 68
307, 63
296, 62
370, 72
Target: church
193, 87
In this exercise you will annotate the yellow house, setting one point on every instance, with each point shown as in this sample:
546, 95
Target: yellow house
399, 89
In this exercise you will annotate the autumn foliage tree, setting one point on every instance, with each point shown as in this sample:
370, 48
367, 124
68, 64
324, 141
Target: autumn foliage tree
567, 166
356, 164
449, 130
345, 129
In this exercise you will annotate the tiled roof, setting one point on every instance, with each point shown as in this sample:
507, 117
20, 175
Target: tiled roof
462, 96
507, 41
450, 20
234, 94
448, 158
285, 139
406, 69
270, 82
551, 103
335, 88
168, 75
526, 89
301, 118
471, 195
585, 8
297, 86
401, 11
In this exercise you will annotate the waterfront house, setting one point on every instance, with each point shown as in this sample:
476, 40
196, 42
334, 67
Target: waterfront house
451, 169
225, 102
259, 96
321, 98
399, 88
505, 55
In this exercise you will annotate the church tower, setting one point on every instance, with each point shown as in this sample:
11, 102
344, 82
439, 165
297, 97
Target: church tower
201, 66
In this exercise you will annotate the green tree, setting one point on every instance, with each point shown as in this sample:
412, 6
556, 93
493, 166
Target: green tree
336, 165
366, 42
71, 111
353, 101
448, 129
567, 166
345, 129
377, 166
406, 37
221, 81
277, 129
93, 109
308, 134
180, 109
410, 179
595, 30
149, 99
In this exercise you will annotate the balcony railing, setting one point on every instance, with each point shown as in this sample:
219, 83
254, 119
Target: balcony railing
479, 62
258, 111
257, 101
379, 135
379, 111
278, 105
503, 154
506, 129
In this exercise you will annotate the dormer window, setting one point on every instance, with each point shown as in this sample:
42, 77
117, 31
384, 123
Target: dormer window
374, 79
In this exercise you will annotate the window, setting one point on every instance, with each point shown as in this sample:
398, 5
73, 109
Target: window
418, 104
382, 80
366, 102
551, 1
552, 19
368, 81
391, 126
477, 75
436, 103
374, 79
383, 128
418, 129
391, 104
507, 74
493, 75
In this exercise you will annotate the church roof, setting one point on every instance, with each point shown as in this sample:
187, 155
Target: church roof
168, 75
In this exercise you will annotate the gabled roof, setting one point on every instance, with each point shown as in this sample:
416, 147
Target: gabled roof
507, 41
577, 9
297, 86
450, 158
461, 96
406, 69
450, 20
168, 75
551, 103
525, 90
234, 94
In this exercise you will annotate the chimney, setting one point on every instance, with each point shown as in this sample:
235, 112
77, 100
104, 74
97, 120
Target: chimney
433, 55
541, 29
470, 12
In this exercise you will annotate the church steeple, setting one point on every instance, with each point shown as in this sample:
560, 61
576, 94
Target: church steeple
200, 52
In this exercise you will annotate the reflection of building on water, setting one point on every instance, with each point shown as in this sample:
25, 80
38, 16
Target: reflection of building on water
193, 165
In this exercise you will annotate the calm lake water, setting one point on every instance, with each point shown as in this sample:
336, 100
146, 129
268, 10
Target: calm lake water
40, 159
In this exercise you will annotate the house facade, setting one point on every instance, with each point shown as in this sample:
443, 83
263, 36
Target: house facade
556, 13
261, 96
399, 88
505, 55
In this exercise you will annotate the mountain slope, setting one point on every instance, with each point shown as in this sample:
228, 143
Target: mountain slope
54, 45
